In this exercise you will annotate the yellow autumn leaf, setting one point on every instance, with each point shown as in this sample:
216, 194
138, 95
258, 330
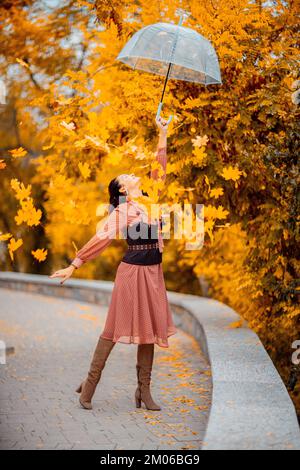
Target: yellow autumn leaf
40, 254
216, 192
19, 152
211, 212
69, 126
231, 173
59, 181
2, 164
13, 246
47, 147
286, 234
208, 228
278, 273
200, 156
80, 143
200, 141
21, 191
84, 170
97, 142
157, 169
115, 158
62, 166
207, 181
28, 214
5, 236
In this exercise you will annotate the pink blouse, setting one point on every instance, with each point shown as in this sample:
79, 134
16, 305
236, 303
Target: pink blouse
126, 214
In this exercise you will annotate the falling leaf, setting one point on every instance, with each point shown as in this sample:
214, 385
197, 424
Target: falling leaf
21, 191
28, 214
69, 126
216, 192
231, 173
5, 236
200, 156
13, 246
2, 164
97, 142
47, 147
40, 254
200, 141
84, 170
211, 212
80, 143
17, 153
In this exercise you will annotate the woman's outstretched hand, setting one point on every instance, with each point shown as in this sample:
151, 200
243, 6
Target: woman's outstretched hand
64, 273
162, 124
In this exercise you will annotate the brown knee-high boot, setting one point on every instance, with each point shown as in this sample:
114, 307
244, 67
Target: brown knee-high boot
87, 387
145, 354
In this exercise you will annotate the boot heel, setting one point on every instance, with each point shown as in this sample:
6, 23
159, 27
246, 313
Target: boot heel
138, 402
78, 390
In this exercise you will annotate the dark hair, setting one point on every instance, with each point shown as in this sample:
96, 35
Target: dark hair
116, 197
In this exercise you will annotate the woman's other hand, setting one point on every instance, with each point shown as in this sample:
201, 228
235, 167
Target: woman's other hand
162, 124
64, 273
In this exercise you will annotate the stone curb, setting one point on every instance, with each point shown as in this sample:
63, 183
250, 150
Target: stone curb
251, 408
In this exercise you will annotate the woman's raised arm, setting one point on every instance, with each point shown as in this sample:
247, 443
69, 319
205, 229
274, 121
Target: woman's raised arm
161, 153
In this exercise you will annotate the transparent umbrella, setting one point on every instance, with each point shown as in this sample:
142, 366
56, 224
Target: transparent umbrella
172, 51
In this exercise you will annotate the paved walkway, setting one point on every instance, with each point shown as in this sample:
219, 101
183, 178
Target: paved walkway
54, 340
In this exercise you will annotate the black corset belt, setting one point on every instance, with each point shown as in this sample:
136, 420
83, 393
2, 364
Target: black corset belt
141, 246
144, 249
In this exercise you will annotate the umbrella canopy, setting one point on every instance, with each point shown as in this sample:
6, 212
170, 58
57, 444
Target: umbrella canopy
191, 55
173, 51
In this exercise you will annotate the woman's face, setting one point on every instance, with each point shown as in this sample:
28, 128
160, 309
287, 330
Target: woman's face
129, 181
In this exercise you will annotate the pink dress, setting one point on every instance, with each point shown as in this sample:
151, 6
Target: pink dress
139, 311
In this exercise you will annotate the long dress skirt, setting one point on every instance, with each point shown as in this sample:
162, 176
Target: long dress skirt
139, 311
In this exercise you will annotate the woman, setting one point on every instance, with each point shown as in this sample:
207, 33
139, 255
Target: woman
139, 312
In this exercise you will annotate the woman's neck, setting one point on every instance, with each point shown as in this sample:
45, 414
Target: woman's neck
135, 193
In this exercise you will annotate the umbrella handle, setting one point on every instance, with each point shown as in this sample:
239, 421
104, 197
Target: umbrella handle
159, 111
